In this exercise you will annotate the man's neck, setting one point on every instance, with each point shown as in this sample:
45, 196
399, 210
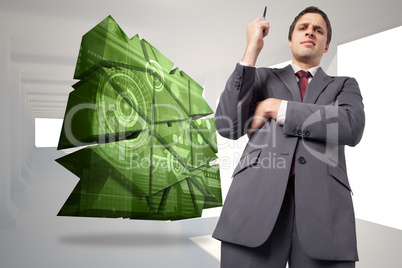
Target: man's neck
305, 65
312, 70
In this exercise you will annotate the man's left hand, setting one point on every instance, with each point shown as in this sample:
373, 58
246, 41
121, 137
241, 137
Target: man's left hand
264, 111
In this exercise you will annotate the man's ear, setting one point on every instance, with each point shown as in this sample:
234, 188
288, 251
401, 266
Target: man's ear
290, 43
326, 48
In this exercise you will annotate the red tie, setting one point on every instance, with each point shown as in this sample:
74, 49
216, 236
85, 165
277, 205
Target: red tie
303, 81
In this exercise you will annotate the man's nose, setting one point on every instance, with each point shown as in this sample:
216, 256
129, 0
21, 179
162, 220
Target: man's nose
310, 33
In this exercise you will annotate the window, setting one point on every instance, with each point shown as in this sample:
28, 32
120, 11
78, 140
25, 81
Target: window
47, 132
375, 164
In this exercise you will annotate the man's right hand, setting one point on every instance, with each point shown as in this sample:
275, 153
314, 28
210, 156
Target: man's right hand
256, 31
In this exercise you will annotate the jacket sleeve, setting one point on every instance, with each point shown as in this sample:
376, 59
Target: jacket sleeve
341, 122
236, 106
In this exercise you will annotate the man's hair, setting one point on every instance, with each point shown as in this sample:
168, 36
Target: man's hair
315, 10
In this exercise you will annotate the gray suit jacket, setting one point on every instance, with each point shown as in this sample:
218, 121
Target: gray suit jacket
314, 134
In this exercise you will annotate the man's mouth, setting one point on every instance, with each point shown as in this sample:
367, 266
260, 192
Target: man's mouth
308, 42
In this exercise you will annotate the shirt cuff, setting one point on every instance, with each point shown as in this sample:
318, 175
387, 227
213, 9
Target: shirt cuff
245, 64
280, 118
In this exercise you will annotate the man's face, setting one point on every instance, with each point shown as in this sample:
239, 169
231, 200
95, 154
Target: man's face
309, 39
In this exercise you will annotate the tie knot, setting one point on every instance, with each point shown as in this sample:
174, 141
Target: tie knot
302, 73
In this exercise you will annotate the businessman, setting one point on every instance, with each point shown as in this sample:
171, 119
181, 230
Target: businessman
290, 199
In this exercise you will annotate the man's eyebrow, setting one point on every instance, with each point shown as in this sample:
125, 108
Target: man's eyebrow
316, 26
319, 27
302, 24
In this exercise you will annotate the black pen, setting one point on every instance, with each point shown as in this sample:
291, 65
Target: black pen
265, 12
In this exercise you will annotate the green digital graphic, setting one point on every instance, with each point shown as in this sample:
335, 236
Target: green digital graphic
142, 147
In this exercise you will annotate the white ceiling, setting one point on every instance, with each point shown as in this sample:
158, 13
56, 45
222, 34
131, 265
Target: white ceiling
198, 36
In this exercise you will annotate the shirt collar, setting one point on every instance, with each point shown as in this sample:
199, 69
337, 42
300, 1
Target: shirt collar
312, 70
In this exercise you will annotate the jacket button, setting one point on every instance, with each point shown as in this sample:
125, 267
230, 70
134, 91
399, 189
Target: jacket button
299, 132
306, 133
302, 160
295, 131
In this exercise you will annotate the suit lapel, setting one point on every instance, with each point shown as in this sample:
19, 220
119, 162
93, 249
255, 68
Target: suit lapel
317, 85
288, 78
314, 89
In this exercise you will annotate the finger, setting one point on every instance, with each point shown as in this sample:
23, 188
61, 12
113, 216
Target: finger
265, 28
263, 23
260, 23
265, 32
257, 124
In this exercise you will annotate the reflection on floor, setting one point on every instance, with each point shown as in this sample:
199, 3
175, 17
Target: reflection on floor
209, 244
41, 239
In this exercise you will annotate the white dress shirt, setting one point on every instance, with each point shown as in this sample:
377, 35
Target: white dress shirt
281, 117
